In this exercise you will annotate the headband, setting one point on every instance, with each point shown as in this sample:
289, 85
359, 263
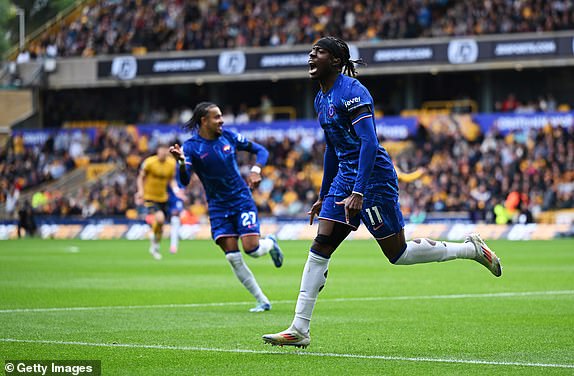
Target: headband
333, 47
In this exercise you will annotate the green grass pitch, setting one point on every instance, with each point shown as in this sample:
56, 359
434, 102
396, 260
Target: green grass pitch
188, 315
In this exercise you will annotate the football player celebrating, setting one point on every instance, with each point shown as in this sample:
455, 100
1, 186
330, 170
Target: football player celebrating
211, 153
359, 184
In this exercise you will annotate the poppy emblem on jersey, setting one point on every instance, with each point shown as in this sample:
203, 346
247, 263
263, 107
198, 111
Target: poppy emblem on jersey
331, 111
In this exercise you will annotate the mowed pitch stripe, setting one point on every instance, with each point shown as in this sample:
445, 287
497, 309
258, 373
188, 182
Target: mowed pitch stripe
333, 300
296, 353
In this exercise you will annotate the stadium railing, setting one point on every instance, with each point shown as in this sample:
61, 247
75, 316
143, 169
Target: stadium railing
288, 111
459, 106
69, 14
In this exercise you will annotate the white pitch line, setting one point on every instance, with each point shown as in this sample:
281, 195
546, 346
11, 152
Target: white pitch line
297, 353
336, 300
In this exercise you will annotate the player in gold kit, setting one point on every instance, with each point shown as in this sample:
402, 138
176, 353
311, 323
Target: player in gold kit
156, 173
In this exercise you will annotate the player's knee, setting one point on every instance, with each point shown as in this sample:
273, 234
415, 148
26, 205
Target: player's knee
393, 246
252, 252
324, 245
393, 254
250, 246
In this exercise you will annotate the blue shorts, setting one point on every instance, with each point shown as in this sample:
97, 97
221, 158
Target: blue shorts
174, 205
236, 223
381, 211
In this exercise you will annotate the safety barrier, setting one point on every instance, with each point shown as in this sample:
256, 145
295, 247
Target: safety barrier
299, 230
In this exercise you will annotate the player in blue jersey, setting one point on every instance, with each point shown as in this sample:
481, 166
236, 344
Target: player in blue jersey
359, 184
211, 154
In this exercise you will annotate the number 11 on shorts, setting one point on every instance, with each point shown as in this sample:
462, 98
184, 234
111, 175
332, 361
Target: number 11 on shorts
378, 218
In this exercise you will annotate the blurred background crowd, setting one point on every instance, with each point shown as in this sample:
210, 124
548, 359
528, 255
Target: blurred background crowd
128, 26
491, 178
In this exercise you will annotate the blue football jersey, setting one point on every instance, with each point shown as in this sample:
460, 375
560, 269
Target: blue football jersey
334, 109
215, 164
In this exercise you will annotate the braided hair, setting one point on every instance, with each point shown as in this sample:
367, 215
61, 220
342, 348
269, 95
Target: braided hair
199, 111
340, 49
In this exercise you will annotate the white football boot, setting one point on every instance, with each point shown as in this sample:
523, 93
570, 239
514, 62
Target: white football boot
289, 337
485, 255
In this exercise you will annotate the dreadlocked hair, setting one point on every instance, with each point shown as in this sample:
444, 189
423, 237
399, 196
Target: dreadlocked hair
340, 49
199, 111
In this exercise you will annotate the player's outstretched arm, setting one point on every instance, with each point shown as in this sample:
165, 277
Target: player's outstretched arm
177, 152
184, 167
254, 178
261, 154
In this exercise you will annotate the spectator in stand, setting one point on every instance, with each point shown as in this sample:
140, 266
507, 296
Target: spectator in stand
266, 109
228, 117
242, 116
541, 159
116, 27
510, 103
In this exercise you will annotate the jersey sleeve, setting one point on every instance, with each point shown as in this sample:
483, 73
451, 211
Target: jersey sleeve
241, 143
354, 97
145, 166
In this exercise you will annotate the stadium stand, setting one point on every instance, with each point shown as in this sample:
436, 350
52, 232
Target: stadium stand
113, 27
493, 178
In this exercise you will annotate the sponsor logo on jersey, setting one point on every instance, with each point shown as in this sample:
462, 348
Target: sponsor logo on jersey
226, 148
352, 101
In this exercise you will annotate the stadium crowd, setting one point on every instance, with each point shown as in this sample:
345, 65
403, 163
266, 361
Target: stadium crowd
125, 26
493, 178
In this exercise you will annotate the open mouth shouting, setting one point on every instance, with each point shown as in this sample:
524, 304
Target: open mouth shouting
312, 69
